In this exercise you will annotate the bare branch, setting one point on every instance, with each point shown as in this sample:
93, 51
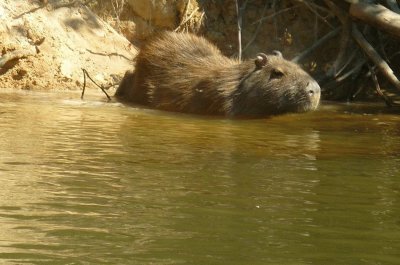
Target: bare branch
377, 16
257, 29
375, 57
318, 43
392, 4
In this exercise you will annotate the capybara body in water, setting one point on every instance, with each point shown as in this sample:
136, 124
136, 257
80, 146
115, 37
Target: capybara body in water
186, 73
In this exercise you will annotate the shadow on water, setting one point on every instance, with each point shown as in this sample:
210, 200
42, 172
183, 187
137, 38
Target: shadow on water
90, 182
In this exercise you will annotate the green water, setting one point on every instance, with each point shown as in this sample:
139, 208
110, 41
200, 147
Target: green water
90, 182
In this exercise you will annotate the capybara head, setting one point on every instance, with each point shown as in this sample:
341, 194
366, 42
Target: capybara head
275, 86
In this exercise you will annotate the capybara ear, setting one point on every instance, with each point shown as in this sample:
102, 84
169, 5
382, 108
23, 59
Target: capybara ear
277, 53
261, 60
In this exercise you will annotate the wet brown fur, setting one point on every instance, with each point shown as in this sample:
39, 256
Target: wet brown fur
186, 73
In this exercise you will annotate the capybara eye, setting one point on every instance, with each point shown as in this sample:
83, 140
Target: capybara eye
276, 74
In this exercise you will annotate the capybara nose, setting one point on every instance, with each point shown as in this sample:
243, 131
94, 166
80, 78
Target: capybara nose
313, 89
314, 94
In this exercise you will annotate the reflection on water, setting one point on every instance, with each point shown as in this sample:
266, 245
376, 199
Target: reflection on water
89, 182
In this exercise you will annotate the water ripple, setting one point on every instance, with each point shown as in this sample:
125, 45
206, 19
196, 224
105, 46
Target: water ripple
87, 182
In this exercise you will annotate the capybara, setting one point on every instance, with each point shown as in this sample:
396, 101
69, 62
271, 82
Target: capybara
186, 73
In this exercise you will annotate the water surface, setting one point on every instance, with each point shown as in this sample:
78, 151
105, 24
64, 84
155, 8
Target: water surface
91, 182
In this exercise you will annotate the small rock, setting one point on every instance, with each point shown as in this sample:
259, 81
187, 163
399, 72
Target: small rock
66, 68
20, 73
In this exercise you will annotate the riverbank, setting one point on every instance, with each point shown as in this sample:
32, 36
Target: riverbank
45, 47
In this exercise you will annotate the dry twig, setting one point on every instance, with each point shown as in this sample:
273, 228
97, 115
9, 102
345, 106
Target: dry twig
187, 19
117, 8
73, 3
257, 29
318, 43
275, 14
85, 73
109, 54
387, 100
